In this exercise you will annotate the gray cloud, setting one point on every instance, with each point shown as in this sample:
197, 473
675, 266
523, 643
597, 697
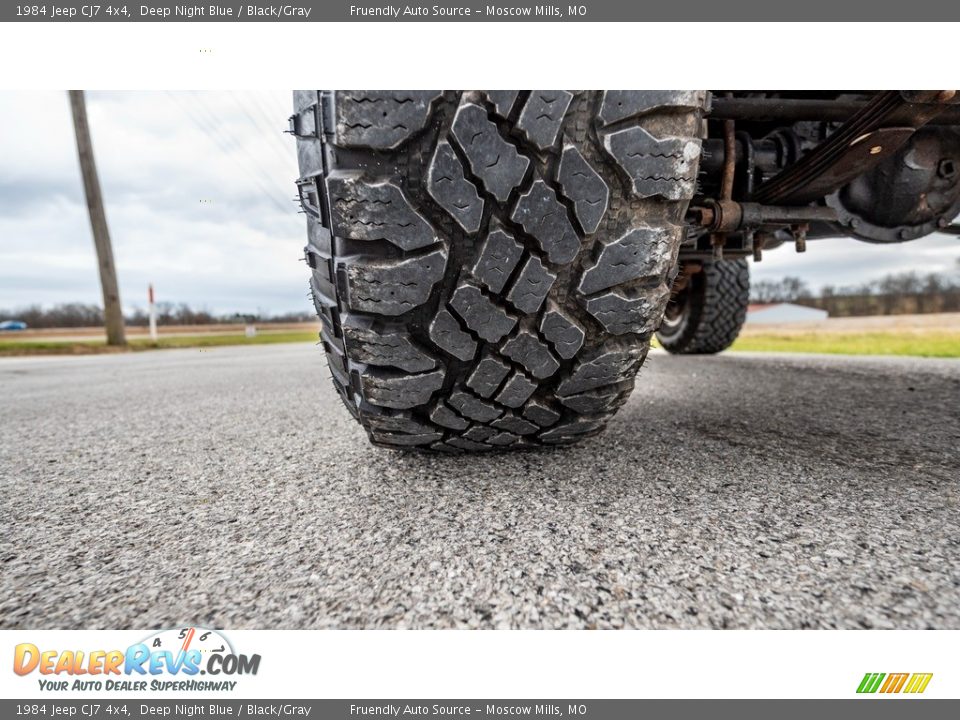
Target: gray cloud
198, 190
845, 261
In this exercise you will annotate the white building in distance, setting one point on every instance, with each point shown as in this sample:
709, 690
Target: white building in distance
776, 313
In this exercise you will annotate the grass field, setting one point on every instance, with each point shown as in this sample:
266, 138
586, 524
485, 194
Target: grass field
942, 343
901, 342
88, 347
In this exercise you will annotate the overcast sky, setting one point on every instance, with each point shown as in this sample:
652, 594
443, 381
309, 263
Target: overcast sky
160, 154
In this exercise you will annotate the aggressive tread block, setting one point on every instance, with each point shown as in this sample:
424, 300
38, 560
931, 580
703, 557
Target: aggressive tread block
565, 335
581, 184
629, 311
473, 407
656, 166
479, 433
526, 349
498, 256
599, 400
610, 363
364, 210
445, 331
442, 415
402, 392
399, 423
531, 286
463, 443
502, 100
540, 413
515, 424
643, 252
394, 348
380, 120
405, 440
480, 313
393, 287
502, 439
487, 375
492, 159
516, 390
545, 219
620, 105
452, 191
542, 116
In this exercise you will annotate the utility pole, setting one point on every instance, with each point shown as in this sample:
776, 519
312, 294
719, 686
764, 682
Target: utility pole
112, 312
152, 310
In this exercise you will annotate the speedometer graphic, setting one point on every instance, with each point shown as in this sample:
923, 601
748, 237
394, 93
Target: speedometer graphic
182, 640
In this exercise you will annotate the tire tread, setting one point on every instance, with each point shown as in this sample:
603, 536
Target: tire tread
489, 266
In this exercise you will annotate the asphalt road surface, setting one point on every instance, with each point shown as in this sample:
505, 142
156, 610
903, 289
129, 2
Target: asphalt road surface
230, 488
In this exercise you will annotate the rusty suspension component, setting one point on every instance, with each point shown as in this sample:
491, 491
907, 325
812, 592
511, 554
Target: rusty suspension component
726, 216
790, 110
860, 143
718, 238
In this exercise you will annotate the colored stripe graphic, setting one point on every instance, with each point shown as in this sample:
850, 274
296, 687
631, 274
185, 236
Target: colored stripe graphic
894, 682
870, 682
918, 682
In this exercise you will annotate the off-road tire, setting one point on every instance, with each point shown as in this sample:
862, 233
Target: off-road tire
706, 316
489, 266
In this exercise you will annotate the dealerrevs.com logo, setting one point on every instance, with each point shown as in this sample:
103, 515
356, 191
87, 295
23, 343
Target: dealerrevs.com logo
168, 660
891, 683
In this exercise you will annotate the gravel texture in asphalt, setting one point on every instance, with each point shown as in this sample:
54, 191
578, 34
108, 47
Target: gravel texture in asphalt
230, 488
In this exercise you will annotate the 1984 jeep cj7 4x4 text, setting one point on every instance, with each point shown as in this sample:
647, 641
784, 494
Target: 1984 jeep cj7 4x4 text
490, 266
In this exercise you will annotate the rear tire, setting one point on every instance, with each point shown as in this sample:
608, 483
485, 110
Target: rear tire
705, 317
489, 266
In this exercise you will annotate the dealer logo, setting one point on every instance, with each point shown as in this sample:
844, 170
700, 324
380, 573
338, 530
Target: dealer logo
181, 653
910, 683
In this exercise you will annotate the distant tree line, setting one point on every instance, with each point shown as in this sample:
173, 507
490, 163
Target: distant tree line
75, 315
893, 294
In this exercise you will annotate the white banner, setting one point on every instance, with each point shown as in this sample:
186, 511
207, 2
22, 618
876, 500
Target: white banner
451, 664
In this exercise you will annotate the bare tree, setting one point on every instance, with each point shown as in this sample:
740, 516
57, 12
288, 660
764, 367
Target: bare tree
788, 289
113, 313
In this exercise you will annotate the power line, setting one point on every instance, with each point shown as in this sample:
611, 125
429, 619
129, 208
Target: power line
219, 130
263, 182
265, 124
